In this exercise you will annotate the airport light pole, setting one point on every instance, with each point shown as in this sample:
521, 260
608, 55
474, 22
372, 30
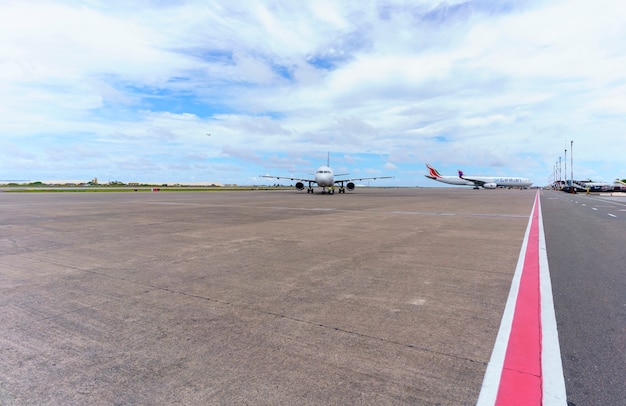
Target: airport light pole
571, 157
556, 174
565, 166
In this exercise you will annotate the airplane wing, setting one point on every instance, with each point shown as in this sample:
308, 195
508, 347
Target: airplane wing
476, 182
290, 178
358, 179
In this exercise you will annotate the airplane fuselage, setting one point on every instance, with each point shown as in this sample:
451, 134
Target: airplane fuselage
504, 181
324, 176
487, 182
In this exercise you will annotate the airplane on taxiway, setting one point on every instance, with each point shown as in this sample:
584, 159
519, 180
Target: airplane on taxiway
486, 182
324, 177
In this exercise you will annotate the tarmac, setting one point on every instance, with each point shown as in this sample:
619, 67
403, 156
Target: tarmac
381, 296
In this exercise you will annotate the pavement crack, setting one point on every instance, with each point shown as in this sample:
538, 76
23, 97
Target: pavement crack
329, 327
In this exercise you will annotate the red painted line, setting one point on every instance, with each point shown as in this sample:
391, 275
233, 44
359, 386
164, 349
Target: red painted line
521, 380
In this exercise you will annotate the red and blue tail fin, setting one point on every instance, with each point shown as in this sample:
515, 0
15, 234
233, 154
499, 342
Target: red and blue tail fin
433, 172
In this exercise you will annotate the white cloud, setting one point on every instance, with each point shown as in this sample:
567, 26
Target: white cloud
492, 85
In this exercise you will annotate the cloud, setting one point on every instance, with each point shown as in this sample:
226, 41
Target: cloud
278, 84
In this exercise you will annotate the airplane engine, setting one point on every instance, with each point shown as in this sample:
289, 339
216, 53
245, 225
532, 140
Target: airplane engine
299, 185
490, 185
350, 186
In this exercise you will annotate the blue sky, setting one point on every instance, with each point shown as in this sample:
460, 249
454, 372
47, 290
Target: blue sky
128, 91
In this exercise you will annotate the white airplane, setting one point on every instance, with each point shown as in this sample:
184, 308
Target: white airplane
325, 178
486, 182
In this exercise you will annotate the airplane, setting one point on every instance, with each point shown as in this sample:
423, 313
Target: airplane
325, 178
486, 182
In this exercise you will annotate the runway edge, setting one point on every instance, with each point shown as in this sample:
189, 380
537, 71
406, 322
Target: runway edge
551, 381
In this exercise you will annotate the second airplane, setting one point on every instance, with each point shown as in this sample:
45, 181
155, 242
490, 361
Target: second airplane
486, 182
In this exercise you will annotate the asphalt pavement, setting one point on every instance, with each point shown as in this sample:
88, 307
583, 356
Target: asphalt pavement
381, 296
585, 241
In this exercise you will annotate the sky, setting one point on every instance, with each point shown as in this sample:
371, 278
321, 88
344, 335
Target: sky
129, 90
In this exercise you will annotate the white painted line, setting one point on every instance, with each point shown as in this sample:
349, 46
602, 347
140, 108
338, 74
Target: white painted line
593, 208
612, 215
552, 368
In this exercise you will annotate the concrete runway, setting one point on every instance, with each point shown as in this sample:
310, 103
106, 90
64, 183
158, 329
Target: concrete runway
381, 296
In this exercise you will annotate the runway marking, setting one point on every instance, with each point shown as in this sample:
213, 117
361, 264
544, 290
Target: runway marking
604, 200
525, 366
593, 208
612, 215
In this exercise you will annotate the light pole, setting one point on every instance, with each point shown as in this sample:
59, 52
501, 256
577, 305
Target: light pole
571, 157
565, 166
556, 175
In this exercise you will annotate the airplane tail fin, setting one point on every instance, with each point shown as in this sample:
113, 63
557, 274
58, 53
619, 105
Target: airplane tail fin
460, 174
433, 172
